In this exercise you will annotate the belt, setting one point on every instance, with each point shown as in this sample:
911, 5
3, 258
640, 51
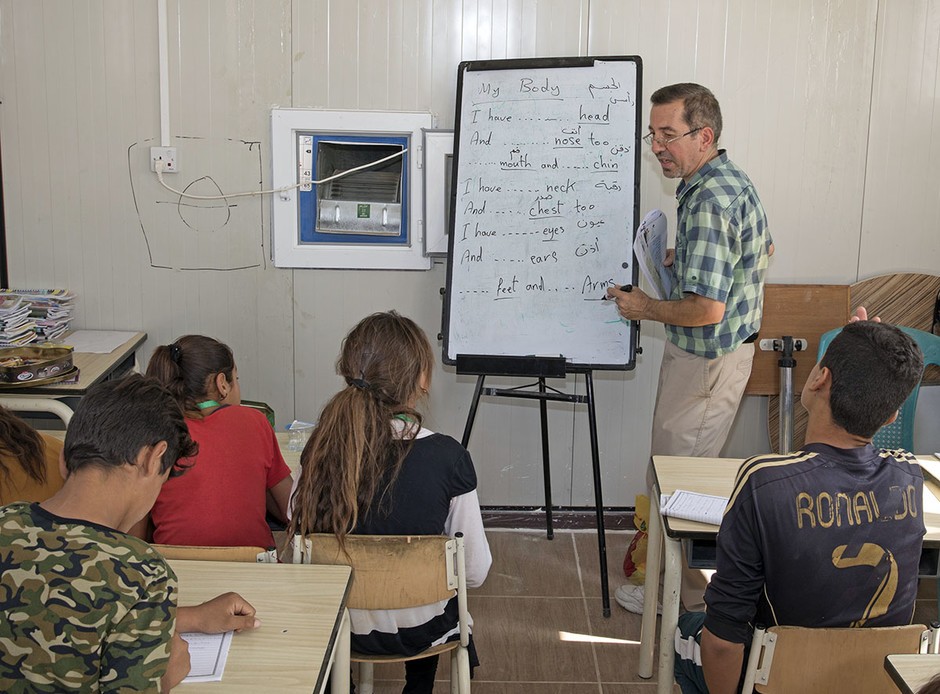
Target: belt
751, 338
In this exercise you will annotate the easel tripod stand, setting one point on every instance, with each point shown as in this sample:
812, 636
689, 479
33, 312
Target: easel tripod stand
542, 368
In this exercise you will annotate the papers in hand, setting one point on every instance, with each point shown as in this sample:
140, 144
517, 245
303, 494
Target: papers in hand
650, 251
693, 506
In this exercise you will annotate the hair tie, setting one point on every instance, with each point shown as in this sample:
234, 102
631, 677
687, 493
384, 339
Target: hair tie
176, 353
360, 383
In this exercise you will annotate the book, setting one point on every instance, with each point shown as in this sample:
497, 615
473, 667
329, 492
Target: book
693, 506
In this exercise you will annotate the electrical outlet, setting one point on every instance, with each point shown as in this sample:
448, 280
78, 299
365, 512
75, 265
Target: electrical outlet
166, 156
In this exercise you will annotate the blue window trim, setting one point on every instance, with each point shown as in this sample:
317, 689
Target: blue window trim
307, 201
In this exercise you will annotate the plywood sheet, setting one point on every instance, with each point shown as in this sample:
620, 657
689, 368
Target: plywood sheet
905, 298
801, 311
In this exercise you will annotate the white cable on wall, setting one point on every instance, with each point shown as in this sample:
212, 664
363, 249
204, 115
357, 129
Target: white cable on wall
162, 39
159, 171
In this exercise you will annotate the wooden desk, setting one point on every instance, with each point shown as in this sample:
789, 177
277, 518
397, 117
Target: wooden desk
910, 672
304, 632
92, 369
708, 476
292, 458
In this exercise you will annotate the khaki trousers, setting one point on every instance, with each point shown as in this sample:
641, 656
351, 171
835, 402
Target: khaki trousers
696, 403
697, 400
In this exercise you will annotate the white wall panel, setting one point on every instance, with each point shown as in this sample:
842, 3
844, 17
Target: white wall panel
82, 81
901, 222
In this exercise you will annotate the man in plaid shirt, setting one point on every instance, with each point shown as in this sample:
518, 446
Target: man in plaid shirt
713, 315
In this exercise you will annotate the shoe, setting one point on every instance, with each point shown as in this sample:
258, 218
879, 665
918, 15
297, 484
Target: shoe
630, 598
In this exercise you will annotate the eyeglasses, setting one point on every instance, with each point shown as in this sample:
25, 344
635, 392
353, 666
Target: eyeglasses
664, 142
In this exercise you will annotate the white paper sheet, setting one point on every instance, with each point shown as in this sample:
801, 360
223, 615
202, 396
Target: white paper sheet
649, 247
97, 341
207, 655
693, 506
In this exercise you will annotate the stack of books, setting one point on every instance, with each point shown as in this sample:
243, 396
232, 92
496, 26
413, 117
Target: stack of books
16, 326
50, 310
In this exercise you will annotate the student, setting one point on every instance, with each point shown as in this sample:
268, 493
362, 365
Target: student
829, 536
86, 606
371, 468
239, 474
29, 461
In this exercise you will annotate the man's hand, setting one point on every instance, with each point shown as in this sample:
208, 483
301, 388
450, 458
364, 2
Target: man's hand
691, 311
227, 612
670, 257
632, 305
861, 313
179, 664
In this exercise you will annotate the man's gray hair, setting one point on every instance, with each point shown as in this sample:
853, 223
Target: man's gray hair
700, 107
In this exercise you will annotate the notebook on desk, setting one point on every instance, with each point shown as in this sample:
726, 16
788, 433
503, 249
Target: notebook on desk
703, 508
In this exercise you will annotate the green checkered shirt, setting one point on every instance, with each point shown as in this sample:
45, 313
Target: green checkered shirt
722, 244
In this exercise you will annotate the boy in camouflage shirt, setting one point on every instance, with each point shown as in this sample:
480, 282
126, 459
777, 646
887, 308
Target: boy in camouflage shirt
85, 606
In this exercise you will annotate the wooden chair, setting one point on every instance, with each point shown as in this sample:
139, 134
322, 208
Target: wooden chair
802, 659
247, 554
392, 572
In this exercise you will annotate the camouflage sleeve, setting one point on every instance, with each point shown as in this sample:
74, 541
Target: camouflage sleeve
136, 652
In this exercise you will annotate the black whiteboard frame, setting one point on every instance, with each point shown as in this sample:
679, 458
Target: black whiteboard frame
527, 64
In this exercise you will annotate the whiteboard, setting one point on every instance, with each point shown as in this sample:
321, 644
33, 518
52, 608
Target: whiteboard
544, 209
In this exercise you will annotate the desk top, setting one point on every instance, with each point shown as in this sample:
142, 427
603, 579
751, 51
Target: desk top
292, 458
911, 671
300, 607
716, 476
92, 368
704, 475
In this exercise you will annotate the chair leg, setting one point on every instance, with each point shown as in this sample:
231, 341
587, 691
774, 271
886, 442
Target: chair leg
463, 670
366, 678
454, 677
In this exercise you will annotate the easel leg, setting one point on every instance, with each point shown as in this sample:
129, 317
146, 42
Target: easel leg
598, 494
465, 441
546, 467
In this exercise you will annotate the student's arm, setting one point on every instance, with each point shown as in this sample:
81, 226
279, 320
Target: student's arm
278, 497
465, 517
179, 664
734, 591
279, 481
227, 612
722, 662
137, 652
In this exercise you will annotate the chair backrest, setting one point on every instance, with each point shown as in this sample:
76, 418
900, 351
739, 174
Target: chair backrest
389, 571
801, 659
900, 433
21, 487
206, 553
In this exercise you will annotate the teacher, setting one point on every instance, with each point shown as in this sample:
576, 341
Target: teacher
719, 262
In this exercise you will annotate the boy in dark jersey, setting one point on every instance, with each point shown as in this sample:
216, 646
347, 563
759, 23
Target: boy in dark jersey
829, 536
86, 607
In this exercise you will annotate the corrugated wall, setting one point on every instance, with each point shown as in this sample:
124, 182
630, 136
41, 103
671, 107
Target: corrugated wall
829, 105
